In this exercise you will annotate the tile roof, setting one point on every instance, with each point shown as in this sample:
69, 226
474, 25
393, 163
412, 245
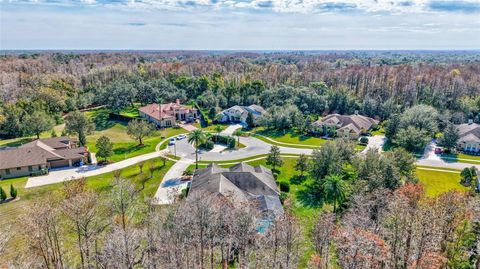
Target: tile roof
164, 111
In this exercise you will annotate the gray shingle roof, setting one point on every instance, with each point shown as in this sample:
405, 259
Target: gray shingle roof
241, 182
351, 122
469, 132
39, 152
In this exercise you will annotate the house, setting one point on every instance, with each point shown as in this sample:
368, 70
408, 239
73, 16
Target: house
240, 113
347, 126
168, 115
469, 140
241, 184
41, 155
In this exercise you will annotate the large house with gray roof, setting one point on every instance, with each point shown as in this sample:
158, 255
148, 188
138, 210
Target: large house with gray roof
240, 113
469, 140
346, 126
40, 155
241, 184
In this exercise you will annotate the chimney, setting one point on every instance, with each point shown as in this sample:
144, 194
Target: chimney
178, 101
470, 121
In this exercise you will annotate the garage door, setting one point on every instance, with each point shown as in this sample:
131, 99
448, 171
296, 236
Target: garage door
59, 163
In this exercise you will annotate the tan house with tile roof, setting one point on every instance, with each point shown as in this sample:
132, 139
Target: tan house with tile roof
347, 126
168, 115
41, 155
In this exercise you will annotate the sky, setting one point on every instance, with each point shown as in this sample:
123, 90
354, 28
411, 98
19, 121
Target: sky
240, 24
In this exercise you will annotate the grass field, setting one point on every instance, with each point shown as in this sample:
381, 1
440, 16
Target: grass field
291, 137
124, 146
437, 182
11, 212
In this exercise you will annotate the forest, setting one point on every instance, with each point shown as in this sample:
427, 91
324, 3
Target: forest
370, 210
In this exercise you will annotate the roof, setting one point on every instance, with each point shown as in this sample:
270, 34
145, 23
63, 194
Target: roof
53, 142
164, 111
255, 110
353, 123
40, 152
242, 183
469, 132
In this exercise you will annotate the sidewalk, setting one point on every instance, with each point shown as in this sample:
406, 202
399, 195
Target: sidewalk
171, 184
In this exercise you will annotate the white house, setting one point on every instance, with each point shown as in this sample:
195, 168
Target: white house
240, 113
469, 137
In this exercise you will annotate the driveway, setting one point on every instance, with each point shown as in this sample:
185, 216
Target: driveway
231, 129
429, 158
171, 184
375, 142
188, 127
60, 175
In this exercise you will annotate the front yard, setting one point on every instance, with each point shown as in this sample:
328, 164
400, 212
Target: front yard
437, 182
124, 146
11, 212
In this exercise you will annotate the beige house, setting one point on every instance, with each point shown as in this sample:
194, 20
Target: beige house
469, 137
41, 155
346, 126
168, 115
240, 113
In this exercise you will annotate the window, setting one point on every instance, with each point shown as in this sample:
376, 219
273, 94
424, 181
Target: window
7, 171
19, 168
30, 169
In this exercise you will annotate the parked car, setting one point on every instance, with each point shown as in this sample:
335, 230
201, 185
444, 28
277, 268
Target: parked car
182, 136
438, 150
171, 142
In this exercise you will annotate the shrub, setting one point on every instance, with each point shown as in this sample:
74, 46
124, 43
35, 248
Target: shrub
364, 140
226, 140
284, 187
3, 195
283, 196
13, 192
207, 145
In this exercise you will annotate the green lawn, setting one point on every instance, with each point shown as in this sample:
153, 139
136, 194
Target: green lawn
289, 136
15, 142
10, 213
124, 146
461, 158
437, 182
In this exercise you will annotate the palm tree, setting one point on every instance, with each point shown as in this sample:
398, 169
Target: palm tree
336, 190
196, 137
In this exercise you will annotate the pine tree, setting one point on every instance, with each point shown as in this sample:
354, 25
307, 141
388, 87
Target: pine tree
3, 195
13, 192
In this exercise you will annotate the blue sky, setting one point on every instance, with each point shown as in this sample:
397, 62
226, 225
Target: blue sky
240, 24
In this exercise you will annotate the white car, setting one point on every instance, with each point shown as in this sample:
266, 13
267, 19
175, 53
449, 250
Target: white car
171, 142
182, 136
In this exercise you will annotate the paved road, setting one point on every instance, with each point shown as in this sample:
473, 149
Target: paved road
60, 175
171, 184
253, 146
429, 158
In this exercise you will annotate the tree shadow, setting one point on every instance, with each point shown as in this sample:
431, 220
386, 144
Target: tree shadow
102, 120
297, 179
310, 197
128, 150
19, 142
